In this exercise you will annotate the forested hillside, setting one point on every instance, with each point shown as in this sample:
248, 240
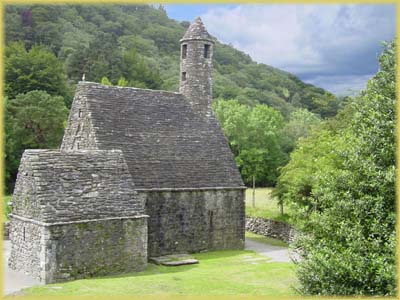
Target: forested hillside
141, 44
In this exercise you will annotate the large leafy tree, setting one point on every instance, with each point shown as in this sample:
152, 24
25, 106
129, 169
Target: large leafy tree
103, 58
315, 155
348, 242
301, 123
254, 136
137, 73
33, 120
36, 69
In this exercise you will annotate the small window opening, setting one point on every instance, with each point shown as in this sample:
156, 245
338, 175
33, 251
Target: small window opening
183, 76
23, 232
184, 51
206, 51
78, 146
210, 219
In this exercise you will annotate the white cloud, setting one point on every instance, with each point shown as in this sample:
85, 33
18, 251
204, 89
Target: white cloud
307, 40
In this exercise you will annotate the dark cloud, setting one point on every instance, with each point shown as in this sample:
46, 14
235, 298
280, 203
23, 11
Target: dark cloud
322, 44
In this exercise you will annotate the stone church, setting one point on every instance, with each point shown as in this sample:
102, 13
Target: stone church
140, 173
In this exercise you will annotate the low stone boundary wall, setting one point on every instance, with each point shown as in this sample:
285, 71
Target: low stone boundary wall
270, 228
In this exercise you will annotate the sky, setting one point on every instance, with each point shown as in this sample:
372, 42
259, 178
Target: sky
335, 47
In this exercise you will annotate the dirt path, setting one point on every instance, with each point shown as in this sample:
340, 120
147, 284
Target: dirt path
276, 253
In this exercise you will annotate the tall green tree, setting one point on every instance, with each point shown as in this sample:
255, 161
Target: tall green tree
301, 123
103, 58
34, 120
36, 69
254, 137
313, 156
137, 73
348, 243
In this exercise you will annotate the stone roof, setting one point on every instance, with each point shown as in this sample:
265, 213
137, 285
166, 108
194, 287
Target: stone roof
63, 186
197, 31
166, 144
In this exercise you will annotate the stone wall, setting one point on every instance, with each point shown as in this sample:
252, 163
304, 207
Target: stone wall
27, 253
270, 228
54, 253
194, 220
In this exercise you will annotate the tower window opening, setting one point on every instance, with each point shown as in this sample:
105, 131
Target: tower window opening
206, 51
183, 76
80, 113
184, 51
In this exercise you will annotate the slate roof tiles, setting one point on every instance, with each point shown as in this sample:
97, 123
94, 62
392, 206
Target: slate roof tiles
166, 144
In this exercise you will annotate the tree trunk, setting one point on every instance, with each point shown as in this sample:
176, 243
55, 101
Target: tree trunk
254, 191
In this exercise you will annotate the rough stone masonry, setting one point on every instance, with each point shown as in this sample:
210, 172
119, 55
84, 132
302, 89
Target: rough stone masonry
76, 214
128, 153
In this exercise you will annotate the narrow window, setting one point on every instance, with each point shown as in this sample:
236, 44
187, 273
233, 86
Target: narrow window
206, 51
210, 219
77, 146
80, 113
183, 76
24, 233
184, 51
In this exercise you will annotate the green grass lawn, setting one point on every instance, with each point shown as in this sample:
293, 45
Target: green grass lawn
265, 205
218, 273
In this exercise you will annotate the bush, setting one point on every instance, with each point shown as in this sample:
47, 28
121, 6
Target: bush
348, 219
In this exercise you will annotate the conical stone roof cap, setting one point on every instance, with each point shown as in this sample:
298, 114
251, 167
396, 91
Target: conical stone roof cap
197, 31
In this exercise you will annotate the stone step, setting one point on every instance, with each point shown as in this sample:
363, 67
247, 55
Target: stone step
174, 260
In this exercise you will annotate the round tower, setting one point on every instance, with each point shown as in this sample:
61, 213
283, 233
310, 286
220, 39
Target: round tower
196, 66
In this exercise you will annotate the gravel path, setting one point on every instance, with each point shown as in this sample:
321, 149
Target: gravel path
276, 253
